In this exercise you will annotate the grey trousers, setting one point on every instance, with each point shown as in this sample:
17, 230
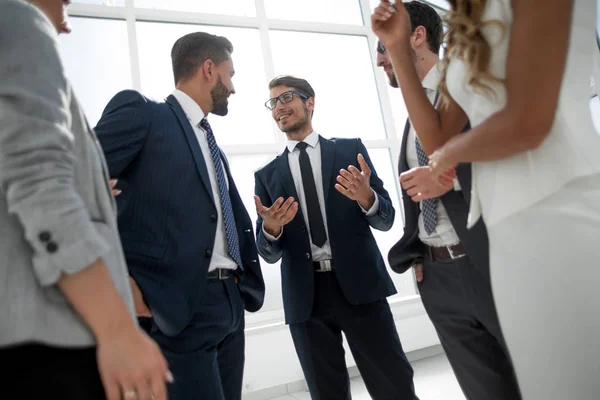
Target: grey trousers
459, 302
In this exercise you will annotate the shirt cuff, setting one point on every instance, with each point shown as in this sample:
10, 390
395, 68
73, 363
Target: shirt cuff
374, 208
269, 237
457, 185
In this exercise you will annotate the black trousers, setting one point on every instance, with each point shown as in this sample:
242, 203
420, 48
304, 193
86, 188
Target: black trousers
34, 371
372, 337
207, 357
458, 299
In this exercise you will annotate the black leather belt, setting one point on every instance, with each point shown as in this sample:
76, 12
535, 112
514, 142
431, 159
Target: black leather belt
446, 252
220, 273
323, 266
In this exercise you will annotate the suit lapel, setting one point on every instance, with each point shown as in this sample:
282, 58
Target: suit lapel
402, 163
283, 169
192, 140
327, 163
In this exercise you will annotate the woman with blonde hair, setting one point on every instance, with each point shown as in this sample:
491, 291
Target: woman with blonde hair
519, 71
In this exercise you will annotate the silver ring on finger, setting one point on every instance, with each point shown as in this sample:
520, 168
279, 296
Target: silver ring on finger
130, 394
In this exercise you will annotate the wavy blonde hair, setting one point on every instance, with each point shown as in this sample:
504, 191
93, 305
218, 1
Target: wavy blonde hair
465, 40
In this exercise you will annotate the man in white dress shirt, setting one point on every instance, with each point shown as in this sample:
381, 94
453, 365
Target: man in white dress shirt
450, 262
187, 237
322, 196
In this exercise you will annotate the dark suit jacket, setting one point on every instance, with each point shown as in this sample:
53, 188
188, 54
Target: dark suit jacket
166, 212
360, 268
409, 248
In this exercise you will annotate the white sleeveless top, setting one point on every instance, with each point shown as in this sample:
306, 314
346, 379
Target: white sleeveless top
571, 150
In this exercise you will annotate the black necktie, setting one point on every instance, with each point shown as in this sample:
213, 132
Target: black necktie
315, 219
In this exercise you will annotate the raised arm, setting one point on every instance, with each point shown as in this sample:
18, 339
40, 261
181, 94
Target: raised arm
433, 127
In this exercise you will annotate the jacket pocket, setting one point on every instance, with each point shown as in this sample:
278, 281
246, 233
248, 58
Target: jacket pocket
143, 248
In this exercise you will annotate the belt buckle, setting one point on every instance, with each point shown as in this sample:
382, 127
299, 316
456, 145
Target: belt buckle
220, 274
324, 266
452, 255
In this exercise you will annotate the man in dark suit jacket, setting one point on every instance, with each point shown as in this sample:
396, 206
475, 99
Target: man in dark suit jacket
333, 276
450, 262
187, 237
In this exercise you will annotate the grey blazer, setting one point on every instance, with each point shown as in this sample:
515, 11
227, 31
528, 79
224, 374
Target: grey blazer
57, 213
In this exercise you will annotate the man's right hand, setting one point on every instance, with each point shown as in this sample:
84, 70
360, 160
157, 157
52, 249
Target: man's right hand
278, 215
420, 183
141, 309
418, 272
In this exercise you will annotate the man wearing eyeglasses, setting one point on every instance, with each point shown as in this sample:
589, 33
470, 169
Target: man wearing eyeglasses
316, 203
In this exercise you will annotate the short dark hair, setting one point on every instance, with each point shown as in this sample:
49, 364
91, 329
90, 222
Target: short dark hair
424, 15
190, 51
299, 84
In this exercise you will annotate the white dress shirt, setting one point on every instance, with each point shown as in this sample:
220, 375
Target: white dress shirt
220, 255
444, 233
314, 154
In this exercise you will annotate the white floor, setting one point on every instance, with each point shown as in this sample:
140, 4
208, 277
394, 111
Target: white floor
434, 380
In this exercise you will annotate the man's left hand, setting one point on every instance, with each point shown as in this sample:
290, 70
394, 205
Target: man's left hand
355, 184
421, 184
113, 184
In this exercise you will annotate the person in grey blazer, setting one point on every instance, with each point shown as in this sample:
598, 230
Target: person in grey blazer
67, 327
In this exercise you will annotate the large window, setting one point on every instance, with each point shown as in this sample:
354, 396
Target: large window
126, 44
96, 67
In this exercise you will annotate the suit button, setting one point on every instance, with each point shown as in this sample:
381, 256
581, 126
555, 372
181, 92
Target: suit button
45, 236
208, 253
303, 229
213, 217
52, 247
307, 255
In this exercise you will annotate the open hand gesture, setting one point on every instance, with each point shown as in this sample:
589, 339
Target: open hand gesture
355, 184
278, 215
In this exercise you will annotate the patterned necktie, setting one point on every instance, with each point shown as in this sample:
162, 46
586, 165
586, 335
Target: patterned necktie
429, 206
233, 243
315, 219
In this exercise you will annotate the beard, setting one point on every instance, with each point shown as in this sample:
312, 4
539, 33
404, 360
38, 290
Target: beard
392, 77
219, 95
298, 125
393, 81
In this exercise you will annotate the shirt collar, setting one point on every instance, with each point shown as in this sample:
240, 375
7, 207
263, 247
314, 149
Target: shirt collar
312, 140
191, 109
432, 79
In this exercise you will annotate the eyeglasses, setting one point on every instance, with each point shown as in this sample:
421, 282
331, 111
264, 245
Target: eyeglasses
284, 98
381, 48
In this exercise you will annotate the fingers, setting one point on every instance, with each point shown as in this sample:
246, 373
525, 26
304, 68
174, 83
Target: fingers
259, 206
342, 190
364, 167
281, 212
446, 182
386, 9
450, 173
290, 214
346, 179
112, 390
158, 387
113, 183
418, 272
